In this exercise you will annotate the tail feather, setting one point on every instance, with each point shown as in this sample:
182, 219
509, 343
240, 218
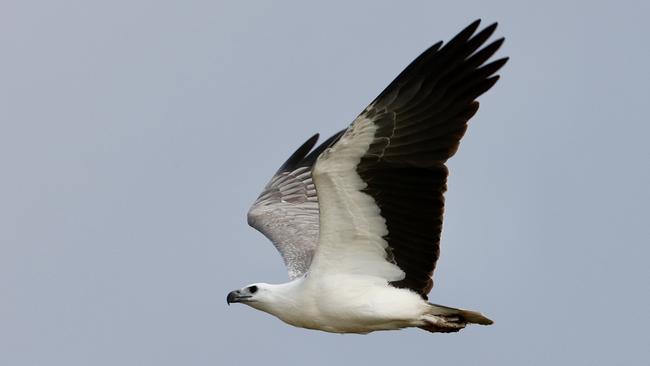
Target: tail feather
468, 316
445, 319
475, 317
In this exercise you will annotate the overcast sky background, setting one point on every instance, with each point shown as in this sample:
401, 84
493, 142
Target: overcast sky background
135, 134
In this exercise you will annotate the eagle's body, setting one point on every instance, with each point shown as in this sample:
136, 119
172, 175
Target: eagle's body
358, 219
345, 304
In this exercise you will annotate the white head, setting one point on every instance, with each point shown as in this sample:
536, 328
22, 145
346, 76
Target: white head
261, 296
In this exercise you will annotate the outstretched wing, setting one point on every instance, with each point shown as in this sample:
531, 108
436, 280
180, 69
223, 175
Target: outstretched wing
286, 211
380, 187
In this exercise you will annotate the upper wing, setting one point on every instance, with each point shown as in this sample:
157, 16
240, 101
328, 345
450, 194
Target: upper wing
381, 186
286, 211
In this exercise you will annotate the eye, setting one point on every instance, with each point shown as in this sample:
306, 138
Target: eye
252, 289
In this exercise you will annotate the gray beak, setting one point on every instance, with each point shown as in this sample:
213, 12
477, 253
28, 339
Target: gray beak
236, 296
232, 296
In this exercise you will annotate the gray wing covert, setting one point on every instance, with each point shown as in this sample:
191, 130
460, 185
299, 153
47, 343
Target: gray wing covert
286, 211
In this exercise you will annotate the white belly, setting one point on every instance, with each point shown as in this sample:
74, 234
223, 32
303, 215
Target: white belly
353, 304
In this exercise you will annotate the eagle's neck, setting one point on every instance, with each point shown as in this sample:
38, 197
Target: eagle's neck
287, 302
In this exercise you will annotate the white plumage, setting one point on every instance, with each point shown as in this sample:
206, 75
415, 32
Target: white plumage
357, 221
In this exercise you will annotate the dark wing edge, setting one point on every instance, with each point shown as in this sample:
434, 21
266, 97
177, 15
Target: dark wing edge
304, 156
420, 118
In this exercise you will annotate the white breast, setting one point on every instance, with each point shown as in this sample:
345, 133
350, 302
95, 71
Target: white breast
349, 304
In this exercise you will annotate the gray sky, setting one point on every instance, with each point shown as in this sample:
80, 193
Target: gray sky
135, 134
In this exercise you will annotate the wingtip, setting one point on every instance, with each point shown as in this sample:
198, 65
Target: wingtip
299, 154
491, 28
312, 140
309, 144
494, 46
472, 27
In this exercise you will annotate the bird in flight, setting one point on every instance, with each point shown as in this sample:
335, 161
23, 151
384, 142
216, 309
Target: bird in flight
357, 220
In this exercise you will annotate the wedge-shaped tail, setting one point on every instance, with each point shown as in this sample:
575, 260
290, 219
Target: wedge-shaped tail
444, 319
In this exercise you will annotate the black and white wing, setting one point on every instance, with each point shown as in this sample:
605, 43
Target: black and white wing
380, 186
286, 211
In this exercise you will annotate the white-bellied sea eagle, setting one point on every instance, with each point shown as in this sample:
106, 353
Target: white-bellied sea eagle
358, 219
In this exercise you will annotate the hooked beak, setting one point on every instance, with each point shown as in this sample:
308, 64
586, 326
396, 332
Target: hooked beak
236, 296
